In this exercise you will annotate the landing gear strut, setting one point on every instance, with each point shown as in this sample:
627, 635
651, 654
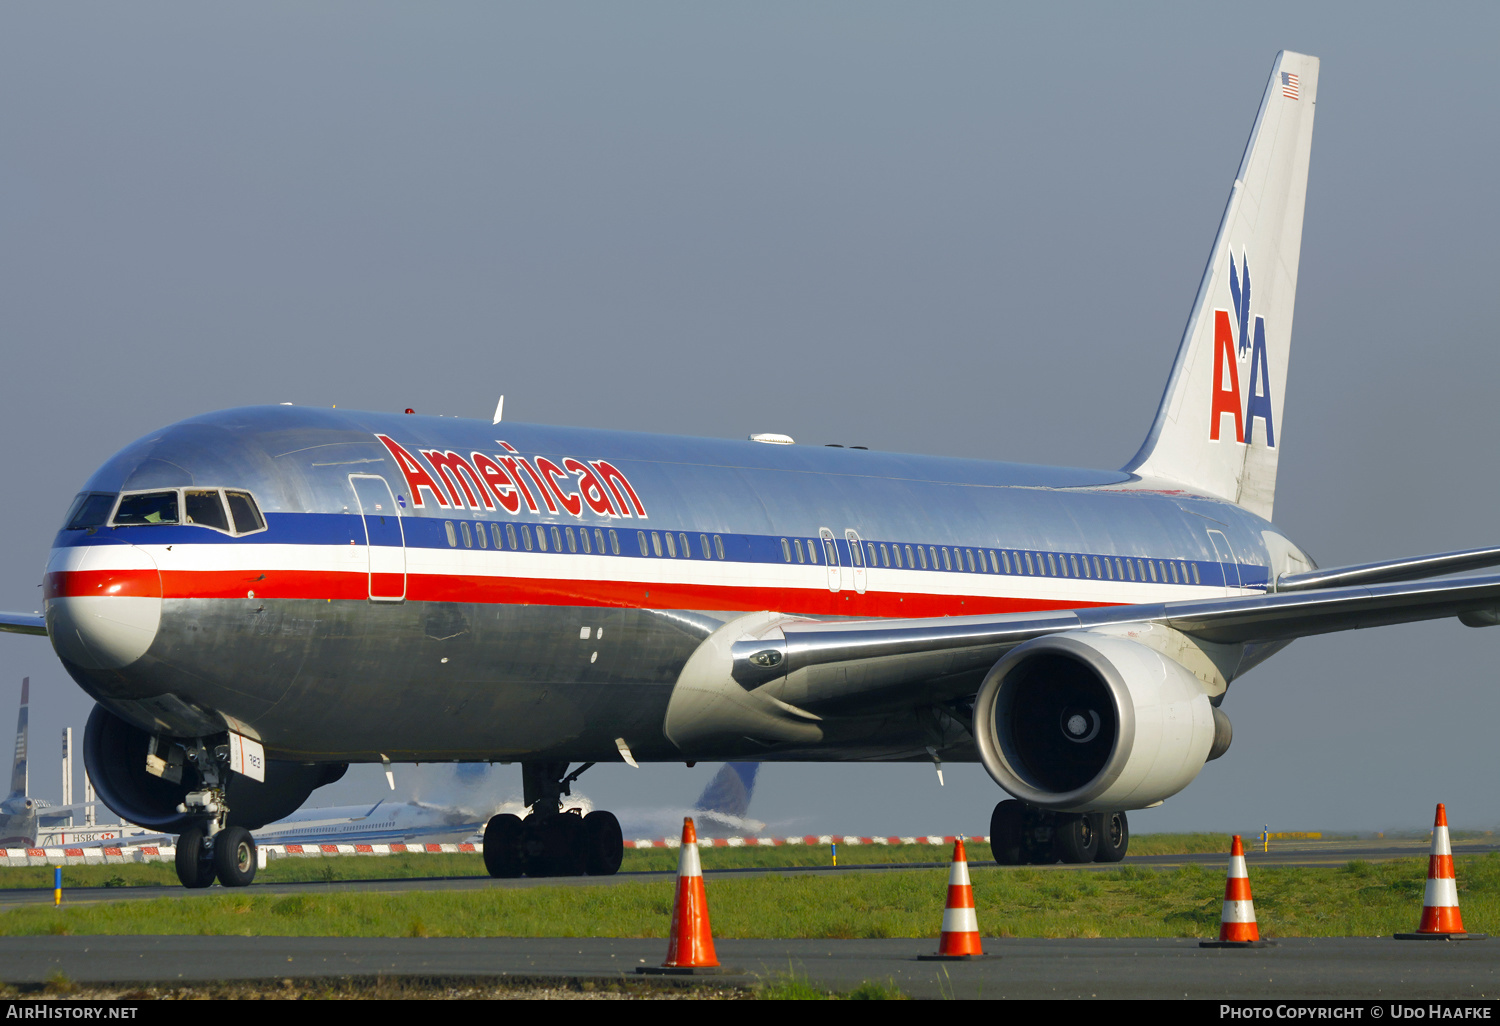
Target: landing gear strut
210, 847
552, 840
1021, 833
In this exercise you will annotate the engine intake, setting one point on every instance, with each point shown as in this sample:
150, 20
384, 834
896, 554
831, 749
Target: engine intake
1091, 722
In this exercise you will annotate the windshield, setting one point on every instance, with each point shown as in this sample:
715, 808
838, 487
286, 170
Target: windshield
147, 508
91, 509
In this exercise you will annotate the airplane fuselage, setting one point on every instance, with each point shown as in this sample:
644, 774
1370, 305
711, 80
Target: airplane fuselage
426, 588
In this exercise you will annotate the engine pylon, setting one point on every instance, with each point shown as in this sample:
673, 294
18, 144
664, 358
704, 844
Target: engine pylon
1440, 918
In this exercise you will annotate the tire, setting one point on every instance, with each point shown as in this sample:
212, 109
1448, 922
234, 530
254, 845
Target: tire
195, 865
1114, 837
234, 857
603, 844
504, 856
1006, 833
1077, 837
553, 846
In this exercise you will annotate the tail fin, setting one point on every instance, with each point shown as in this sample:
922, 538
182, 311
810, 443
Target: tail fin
18, 778
729, 792
1218, 429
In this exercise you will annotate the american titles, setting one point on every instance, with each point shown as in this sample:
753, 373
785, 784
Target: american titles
507, 480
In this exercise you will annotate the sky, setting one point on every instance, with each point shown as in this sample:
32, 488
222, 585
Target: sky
959, 229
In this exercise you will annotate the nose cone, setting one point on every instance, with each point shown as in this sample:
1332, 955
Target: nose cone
103, 604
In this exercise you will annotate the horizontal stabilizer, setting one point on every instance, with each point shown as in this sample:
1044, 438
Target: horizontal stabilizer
1414, 568
23, 623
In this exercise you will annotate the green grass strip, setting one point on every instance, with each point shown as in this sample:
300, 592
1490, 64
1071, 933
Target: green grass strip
1358, 899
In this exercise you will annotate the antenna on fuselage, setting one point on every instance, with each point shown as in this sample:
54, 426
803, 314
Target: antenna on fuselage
499, 409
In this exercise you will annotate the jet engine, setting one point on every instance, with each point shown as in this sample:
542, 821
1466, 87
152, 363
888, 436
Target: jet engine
1089, 722
114, 751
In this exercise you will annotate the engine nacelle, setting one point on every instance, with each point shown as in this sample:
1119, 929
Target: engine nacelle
114, 753
1089, 722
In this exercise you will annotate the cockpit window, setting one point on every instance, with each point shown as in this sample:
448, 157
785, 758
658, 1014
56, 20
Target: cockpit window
90, 509
204, 508
147, 508
233, 512
246, 513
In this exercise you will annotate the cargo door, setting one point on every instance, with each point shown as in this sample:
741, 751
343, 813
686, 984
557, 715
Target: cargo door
385, 540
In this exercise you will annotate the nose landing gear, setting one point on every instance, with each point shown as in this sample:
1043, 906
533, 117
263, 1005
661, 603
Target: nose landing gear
1021, 834
210, 848
552, 840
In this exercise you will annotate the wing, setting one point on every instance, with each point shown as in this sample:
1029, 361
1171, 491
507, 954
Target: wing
871, 656
23, 623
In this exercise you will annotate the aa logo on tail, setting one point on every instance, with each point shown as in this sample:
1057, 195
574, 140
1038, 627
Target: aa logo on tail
1232, 345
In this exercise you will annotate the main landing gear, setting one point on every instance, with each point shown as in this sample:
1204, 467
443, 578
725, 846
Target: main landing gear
1022, 834
211, 849
552, 840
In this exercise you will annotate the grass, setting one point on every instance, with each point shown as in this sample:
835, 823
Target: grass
1358, 899
396, 867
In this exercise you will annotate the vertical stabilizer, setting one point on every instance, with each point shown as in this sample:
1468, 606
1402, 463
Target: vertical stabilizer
18, 777
1218, 429
730, 791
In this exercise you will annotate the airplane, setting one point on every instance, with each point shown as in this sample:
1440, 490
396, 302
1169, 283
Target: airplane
259, 597
724, 803
27, 822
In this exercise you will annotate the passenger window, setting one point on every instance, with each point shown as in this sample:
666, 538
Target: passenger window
556, 539
932, 551
583, 539
483, 538
656, 544
909, 563
786, 551
452, 538
1073, 564
147, 508
885, 556
969, 558
718, 546
468, 536
572, 539
90, 509
812, 552
526, 537
684, 547
797, 545
495, 534
510, 536
703, 544
671, 546
1151, 569
922, 555
1098, 572
599, 540
947, 563
1195, 573
244, 512
614, 542
640, 538
856, 557
1172, 570
1028, 563
204, 508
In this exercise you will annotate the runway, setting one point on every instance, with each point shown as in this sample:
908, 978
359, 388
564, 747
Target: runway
1286, 853
1342, 968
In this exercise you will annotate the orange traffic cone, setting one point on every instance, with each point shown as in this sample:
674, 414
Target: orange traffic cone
1440, 918
1237, 927
690, 946
960, 937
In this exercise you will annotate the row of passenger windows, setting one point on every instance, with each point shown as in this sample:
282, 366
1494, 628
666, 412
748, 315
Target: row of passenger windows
559, 539
994, 561
524, 537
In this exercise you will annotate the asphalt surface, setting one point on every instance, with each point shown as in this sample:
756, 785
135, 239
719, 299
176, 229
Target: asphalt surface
1343, 968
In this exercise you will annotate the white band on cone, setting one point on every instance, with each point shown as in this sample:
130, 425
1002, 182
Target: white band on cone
1441, 893
958, 874
1237, 867
1238, 912
960, 920
687, 862
1440, 844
